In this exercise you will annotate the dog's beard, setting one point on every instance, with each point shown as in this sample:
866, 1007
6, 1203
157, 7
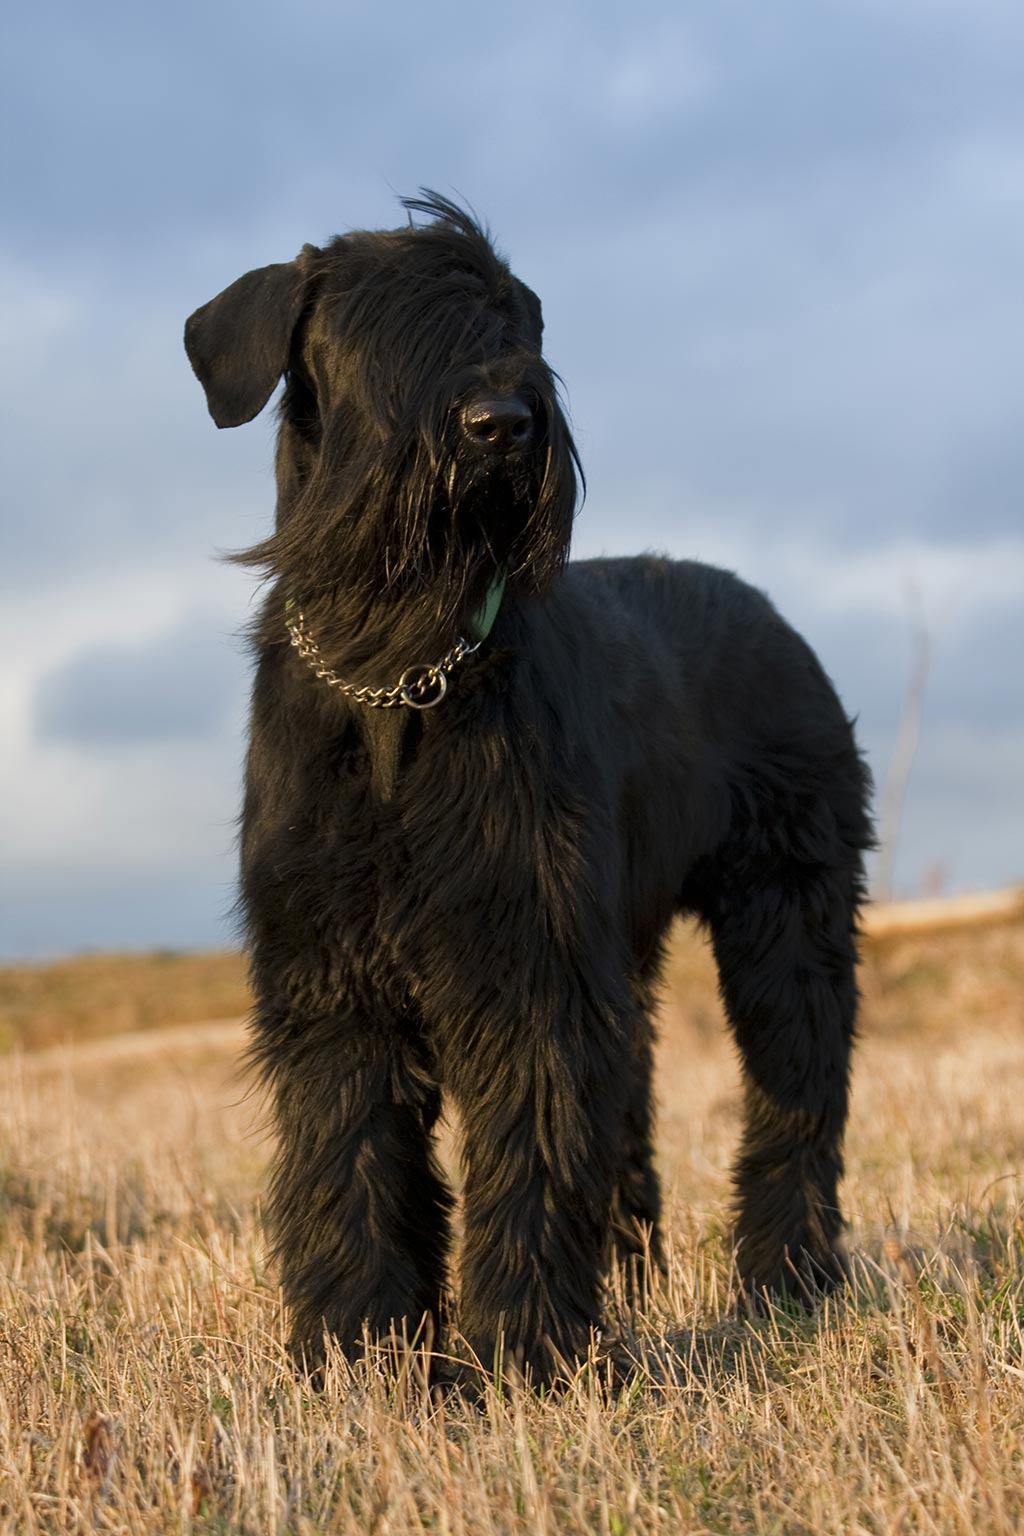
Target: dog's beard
389, 559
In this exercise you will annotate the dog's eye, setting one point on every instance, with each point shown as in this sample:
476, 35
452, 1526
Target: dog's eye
301, 397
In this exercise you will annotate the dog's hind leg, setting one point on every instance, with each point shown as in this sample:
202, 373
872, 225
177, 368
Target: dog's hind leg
785, 947
636, 1204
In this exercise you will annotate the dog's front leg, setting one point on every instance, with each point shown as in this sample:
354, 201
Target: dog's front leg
357, 1214
542, 1101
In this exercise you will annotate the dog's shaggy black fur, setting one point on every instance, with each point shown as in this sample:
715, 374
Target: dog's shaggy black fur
473, 899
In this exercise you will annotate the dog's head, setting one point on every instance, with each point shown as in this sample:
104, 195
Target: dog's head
422, 450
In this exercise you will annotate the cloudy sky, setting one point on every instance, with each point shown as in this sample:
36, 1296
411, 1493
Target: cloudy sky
781, 253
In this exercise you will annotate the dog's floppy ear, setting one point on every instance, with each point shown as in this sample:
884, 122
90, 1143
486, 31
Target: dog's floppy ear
238, 344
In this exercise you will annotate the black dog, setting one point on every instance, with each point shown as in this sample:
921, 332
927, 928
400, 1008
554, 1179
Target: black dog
462, 846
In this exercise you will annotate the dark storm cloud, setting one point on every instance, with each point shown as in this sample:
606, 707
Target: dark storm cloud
182, 684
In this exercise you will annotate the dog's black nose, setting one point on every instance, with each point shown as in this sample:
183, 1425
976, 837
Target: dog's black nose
498, 425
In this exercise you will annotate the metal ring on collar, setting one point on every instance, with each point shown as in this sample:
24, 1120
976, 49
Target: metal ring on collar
416, 680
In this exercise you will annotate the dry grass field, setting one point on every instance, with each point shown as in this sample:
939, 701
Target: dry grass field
143, 1387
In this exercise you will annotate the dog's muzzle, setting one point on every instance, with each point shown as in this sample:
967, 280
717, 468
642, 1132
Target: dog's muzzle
497, 425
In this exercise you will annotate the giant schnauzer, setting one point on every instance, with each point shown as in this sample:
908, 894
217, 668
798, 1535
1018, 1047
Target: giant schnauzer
481, 783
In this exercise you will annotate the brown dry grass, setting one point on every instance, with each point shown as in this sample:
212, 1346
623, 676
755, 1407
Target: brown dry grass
99, 995
142, 1381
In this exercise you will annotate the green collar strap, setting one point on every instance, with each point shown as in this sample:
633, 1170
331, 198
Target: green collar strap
482, 622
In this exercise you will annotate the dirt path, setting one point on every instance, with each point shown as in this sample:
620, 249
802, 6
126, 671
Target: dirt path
217, 1036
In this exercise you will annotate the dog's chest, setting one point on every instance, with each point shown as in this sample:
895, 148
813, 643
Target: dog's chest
453, 814
393, 734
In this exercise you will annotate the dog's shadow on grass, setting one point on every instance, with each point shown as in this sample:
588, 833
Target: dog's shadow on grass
763, 1345
648, 1351
659, 1356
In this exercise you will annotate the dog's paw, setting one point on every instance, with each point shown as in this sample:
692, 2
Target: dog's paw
804, 1277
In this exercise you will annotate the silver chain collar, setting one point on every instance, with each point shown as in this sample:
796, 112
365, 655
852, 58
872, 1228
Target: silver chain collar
420, 686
